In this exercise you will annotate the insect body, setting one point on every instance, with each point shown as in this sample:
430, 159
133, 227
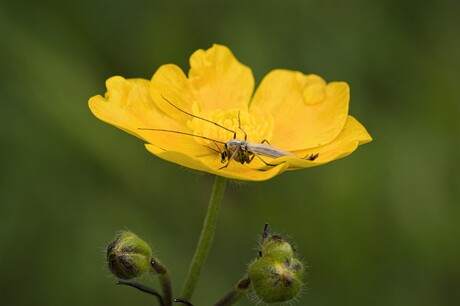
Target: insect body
241, 151
244, 152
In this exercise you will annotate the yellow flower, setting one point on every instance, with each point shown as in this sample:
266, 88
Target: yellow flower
297, 113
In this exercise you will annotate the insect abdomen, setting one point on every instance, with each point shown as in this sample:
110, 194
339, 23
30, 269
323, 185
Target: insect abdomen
267, 150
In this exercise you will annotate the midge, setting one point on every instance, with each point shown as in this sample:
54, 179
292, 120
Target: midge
241, 151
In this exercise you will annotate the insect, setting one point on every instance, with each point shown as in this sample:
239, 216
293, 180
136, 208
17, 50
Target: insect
240, 150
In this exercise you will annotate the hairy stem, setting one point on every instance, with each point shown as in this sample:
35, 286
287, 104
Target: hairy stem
233, 295
165, 281
206, 237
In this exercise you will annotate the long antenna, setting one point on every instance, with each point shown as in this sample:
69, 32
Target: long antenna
183, 133
201, 118
239, 126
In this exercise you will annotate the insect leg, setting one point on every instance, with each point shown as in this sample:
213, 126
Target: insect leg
218, 149
226, 165
239, 126
230, 158
260, 158
265, 141
311, 157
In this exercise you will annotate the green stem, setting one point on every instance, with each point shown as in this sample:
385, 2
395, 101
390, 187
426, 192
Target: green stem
233, 295
165, 281
206, 237
142, 288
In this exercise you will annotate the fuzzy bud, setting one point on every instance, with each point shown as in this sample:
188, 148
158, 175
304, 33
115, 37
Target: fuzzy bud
277, 276
128, 256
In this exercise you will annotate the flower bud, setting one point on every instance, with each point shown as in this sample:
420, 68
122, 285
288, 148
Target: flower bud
276, 276
275, 244
128, 256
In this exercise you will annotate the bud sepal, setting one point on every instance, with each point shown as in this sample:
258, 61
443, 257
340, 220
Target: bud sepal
277, 275
128, 256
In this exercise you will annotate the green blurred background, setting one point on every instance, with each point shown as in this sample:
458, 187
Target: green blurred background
380, 227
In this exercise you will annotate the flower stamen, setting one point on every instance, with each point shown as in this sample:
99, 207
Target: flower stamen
253, 124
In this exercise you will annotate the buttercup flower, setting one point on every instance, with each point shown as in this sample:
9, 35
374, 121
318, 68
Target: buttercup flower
293, 112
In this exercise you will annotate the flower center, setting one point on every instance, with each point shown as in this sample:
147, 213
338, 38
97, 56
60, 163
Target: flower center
256, 126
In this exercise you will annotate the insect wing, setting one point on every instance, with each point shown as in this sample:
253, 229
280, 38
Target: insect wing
267, 150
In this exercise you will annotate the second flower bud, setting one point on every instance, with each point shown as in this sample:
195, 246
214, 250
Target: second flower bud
277, 275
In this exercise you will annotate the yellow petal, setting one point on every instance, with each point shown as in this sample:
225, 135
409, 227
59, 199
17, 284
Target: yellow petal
169, 83
352, 136
307, 112
128, 106
219, 80
211, 164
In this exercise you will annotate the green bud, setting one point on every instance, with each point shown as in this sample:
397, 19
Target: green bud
276, 244
276, 276
128, 256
